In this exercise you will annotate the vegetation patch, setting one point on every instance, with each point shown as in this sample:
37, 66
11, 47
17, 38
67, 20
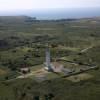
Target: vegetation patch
80, 77
3, 72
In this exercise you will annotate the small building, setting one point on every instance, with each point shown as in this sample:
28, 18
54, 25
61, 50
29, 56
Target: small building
67, 71
24, 70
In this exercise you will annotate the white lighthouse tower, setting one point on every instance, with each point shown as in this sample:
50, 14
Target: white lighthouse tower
48, 65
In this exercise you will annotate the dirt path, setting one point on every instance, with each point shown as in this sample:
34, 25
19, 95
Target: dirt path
84, 50
37, 73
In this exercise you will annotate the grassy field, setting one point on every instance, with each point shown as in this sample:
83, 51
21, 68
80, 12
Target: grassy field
79, 77
22, 44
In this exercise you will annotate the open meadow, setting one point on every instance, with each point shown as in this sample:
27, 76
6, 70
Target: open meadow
73, 42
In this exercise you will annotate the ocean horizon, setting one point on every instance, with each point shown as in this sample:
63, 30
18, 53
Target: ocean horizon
56, 13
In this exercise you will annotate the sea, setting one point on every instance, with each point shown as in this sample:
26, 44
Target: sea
60, 13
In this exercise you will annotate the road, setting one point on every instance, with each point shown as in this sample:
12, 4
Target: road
84, 50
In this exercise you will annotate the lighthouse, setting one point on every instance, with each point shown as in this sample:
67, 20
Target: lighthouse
48, 65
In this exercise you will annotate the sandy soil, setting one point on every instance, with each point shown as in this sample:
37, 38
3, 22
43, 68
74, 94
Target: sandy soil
38, 73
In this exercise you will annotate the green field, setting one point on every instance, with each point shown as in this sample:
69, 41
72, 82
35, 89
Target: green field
22, 44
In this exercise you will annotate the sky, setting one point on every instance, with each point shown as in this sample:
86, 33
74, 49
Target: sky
12, 5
